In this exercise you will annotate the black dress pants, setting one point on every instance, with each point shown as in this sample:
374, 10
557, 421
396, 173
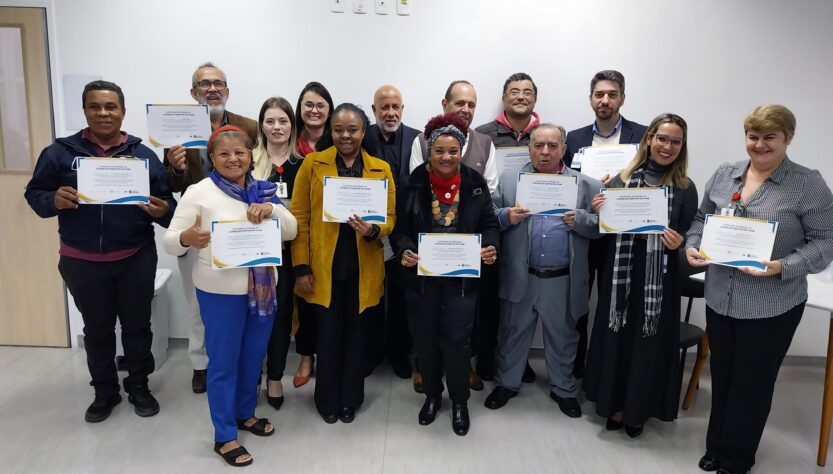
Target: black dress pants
279, 340
487, 320
595, 260
746, 355
387, 332
103, 292
441, 316
339, 380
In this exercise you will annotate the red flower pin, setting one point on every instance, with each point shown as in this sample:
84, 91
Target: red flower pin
736, 196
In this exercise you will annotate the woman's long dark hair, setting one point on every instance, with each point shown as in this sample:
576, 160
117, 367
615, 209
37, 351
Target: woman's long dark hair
319, 89
369, 142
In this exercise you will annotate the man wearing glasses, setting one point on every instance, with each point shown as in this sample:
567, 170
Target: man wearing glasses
607, 95
511, 128
187, 166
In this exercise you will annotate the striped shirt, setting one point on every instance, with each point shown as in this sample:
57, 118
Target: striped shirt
800, 201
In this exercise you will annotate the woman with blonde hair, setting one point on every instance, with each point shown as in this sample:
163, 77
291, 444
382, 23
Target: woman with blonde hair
633, 362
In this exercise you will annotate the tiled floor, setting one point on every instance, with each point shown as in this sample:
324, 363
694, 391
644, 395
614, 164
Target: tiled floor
44, 392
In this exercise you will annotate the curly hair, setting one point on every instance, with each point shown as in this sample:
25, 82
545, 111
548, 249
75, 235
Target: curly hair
441, 121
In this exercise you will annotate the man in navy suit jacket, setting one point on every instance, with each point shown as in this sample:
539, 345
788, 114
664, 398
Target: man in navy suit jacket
607, 95
388, 333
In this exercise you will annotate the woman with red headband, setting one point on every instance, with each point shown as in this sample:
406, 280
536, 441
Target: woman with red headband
237, 305
442, 196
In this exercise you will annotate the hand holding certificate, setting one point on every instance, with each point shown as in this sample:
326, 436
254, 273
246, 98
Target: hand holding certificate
186, 125
598, 161
113, 180
634, 211
346, 197
542, 193
236, 244
738, 242
449, 255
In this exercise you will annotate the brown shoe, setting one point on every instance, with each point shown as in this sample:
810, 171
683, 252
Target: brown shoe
475, 382
418, 387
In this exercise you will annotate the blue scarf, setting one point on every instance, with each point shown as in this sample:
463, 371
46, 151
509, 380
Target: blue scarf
263, 300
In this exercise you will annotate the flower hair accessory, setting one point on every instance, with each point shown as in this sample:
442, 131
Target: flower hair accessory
447, 130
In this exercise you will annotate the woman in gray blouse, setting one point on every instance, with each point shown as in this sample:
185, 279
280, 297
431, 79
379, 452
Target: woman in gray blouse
752, 314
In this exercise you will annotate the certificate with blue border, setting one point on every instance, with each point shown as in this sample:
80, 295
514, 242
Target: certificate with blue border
236, 244
188, 125
634, 211
549, 194
738, 241
123, 180
449, 255
364, 197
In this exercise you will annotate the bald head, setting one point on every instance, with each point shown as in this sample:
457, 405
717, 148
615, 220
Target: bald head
388, 107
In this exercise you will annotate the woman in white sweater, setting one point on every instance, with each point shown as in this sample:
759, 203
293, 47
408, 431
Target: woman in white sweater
237, 305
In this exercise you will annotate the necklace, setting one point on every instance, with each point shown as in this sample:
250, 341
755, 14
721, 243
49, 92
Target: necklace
450, 216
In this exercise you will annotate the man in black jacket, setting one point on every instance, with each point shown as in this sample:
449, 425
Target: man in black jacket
108, 253
607, 95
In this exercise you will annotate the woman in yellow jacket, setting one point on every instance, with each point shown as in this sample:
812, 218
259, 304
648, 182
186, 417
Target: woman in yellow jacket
339, 267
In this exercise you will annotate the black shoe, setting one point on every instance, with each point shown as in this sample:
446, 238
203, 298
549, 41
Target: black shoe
460, 418
429, 410
401, 367
721, 470
634, 431
330, 419
101, 407
708, 464
347, 415
613, 425
529, 374
275, 402
198, 383
143, 402
499, 397
568, 405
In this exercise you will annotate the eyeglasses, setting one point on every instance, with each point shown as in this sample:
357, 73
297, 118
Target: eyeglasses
310, 106
665, 140
206, 85
526, 92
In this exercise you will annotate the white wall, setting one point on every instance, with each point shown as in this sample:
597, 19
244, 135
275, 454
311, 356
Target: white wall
710, 61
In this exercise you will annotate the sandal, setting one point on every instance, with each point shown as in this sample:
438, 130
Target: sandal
231, 456
258, 429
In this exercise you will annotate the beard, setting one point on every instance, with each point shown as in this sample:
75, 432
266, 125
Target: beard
390, 128
216, 110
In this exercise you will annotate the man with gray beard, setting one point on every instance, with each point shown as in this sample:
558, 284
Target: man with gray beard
187, 166
388, 333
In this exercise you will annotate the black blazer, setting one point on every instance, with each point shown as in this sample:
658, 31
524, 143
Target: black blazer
632, 132
413, 214
401, 170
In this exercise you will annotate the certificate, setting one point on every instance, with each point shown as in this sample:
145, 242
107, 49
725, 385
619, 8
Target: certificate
552, 194
511, 158
597, 161
236, 244
367, 198
449, 255
634, 211
113, 180
186, 125
738, 241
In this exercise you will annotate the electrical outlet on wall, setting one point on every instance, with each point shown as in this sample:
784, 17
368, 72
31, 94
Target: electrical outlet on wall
337, 6
360, 6
384, 7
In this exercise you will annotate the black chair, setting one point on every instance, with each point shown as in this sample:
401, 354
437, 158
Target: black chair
690, 334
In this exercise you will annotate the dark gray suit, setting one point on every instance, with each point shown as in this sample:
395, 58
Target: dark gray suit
558, 301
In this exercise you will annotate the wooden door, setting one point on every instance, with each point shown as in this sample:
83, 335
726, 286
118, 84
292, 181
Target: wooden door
32, 301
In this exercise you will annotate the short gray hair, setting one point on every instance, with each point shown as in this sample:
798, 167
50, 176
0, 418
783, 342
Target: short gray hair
549, 126
205, 65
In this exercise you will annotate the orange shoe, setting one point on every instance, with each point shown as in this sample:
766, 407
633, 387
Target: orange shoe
475, 382
418, 387
300, 380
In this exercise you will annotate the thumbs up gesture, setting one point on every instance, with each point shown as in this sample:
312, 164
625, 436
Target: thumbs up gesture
195, 236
